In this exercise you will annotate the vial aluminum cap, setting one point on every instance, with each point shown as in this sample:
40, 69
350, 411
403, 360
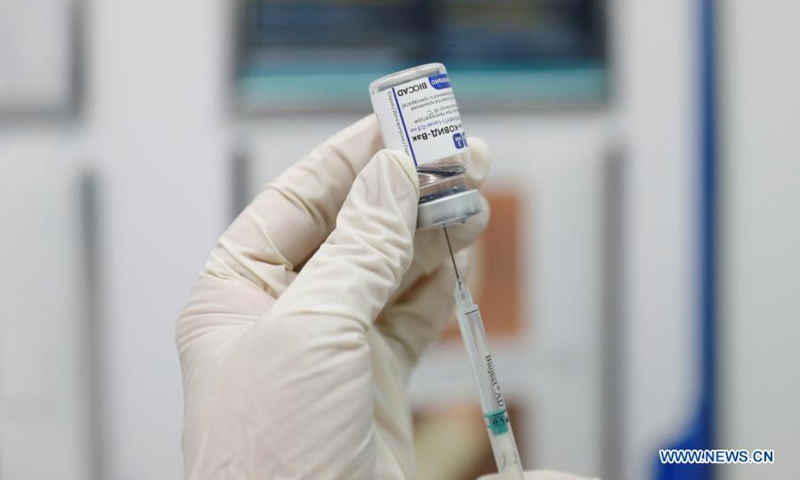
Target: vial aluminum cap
449, 210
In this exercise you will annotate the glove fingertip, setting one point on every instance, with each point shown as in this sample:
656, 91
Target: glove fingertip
480, 162
465, 234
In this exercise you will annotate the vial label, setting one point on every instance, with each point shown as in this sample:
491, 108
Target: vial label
421, 118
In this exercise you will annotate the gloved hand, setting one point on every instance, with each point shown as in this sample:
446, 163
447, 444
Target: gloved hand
541, 475
298, 340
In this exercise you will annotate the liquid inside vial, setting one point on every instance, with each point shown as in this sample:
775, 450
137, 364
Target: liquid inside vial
441, 179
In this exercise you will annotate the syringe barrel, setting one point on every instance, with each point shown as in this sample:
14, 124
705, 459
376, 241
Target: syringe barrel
492, 402
477, 346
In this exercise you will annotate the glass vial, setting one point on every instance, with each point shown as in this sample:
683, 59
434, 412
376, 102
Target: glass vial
418, 114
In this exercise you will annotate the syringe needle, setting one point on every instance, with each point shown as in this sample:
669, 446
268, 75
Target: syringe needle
452, 257
492, 402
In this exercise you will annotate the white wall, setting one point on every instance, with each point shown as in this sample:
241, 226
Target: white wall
156, 123
760, 196
657, 51
43, 398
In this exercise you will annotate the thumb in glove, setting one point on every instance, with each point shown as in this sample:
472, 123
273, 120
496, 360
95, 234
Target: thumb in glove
361, 263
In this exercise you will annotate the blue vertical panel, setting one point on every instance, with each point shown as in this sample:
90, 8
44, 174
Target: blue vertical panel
700, 434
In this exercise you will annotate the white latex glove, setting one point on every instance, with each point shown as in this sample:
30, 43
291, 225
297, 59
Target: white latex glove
297, 343
541, 475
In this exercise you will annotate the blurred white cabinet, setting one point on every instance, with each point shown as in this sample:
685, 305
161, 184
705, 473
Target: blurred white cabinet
38, 56
43, 394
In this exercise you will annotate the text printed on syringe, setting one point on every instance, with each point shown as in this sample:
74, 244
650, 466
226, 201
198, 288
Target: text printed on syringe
498, 396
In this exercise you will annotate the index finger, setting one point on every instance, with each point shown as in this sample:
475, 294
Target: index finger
291, 217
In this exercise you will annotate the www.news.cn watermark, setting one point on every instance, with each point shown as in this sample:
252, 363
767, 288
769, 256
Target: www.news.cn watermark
719, 456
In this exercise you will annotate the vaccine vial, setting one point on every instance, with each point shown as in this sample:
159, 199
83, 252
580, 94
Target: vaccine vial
418, 114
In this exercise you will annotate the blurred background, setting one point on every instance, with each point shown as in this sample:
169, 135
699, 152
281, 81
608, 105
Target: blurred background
640, 274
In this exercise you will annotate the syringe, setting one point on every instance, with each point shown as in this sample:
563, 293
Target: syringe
492, 402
